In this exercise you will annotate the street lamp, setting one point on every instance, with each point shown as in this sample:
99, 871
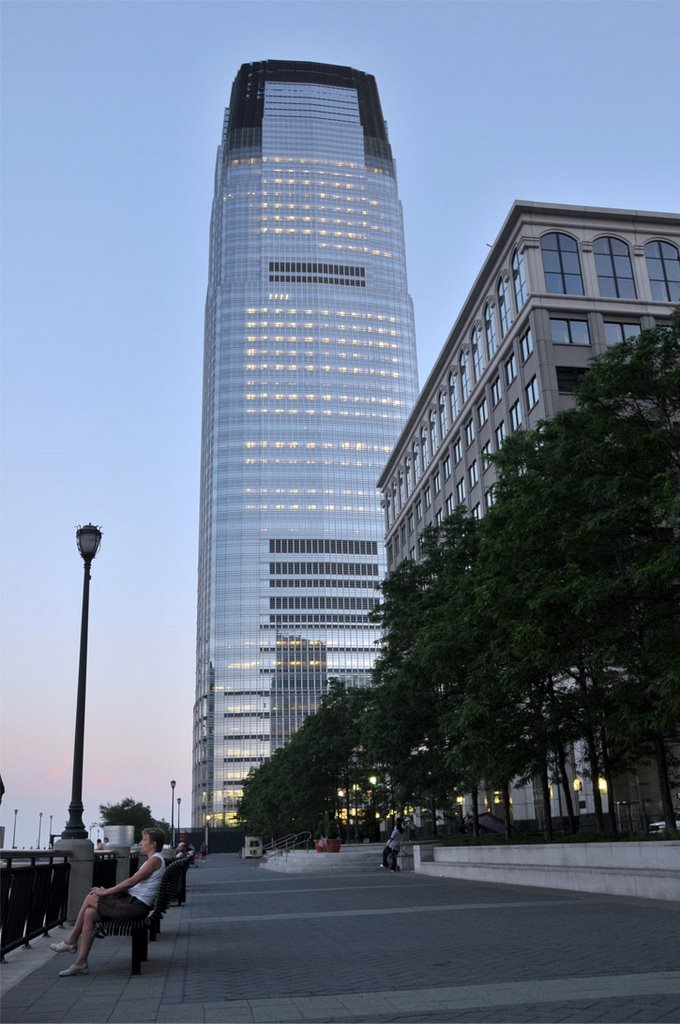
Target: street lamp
207, 826
88, 538
14, 833
172, 812
51, 816
39, 828
179, 801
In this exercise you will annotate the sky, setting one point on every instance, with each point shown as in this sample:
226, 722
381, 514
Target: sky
111, 115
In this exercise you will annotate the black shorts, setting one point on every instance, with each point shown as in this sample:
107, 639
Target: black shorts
121, 906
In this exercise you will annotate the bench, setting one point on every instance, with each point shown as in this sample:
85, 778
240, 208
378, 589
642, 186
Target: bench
172, 887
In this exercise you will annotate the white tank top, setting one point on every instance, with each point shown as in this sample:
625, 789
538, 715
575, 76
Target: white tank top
147, 889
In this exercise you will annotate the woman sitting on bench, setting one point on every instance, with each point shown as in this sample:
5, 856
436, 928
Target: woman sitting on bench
129, 900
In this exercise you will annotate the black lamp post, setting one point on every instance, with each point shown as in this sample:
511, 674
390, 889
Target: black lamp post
14, 833
179, 803
172, 812
88, 538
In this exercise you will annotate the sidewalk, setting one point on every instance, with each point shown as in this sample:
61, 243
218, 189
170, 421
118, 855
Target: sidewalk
251, 946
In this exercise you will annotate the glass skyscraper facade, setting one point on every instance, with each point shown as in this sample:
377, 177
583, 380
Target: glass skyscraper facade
309, 375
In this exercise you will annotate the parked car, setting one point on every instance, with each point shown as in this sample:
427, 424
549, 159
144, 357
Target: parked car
660, 826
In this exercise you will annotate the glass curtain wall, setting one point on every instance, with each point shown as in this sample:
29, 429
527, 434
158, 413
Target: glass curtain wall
309, 375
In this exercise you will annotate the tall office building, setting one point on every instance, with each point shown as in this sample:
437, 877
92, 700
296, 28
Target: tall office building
309, 375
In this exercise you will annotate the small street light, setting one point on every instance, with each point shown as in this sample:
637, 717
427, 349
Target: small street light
172, 812
88, 539
39, 828
14, 833
179, 801
207, 827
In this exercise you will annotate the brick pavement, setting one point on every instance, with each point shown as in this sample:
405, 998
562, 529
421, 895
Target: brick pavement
254, 946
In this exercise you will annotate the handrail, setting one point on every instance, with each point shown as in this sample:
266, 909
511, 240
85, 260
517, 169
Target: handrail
288, 842
34, 895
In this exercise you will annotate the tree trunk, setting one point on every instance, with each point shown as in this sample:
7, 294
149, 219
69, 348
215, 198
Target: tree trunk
507, 810
594, 762
547, 816
664, 782
433, 804
475, 813
566, 789
607, 772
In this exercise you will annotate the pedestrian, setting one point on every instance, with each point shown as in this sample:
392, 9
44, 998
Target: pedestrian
391, 851
204, 850
129, 900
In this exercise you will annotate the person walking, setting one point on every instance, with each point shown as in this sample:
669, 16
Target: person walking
391, 851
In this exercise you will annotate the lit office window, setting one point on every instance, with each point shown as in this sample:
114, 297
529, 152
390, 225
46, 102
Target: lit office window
561, 264
614, 268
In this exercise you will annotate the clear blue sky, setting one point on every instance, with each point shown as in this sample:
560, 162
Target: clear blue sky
111, 114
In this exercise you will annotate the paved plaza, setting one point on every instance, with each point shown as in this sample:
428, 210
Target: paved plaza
371, 946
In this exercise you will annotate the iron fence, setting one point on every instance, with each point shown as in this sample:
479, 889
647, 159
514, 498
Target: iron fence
33, 896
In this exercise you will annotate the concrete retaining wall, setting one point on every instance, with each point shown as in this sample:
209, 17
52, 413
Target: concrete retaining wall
649, 870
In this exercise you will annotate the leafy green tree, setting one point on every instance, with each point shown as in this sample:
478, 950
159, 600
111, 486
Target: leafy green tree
131, 812
299, 784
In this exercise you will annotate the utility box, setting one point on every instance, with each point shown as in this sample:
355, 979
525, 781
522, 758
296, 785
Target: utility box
253, 847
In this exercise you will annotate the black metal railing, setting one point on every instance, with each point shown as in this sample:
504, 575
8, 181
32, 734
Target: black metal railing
104, 870
33, 896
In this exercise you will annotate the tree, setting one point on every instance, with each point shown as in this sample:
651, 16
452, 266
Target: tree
131, 812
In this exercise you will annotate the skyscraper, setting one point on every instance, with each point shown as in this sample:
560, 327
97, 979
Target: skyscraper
309, 375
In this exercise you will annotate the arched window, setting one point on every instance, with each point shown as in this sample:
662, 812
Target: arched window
476, 346
443, 416
614, 269
434, 443
464, 364
424, 449
490, 330
453, 395
519, 280
663, 267
388, 508
409, 476
561, 264
401, 489
503, 308
416, 461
